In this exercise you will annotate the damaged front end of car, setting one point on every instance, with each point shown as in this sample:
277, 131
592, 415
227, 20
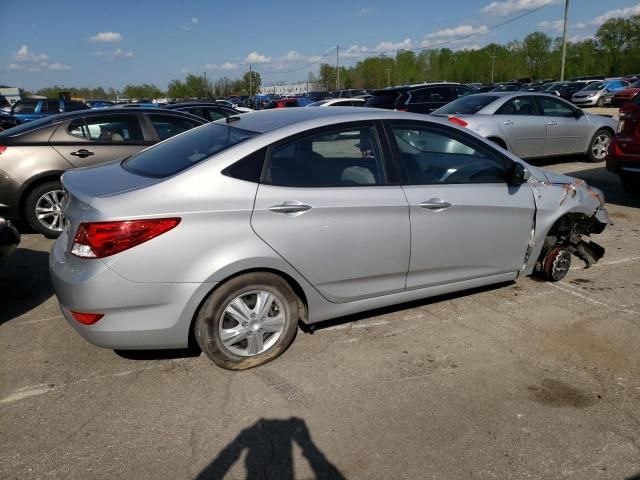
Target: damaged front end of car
568, 211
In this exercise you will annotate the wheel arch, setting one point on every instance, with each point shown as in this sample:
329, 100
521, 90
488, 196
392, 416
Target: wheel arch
498, 141
303, 303
35, 182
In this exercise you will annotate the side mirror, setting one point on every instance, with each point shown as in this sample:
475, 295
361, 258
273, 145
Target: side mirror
578, 113
519, 174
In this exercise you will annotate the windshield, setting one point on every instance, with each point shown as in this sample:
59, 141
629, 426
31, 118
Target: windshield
470, 104
635, 85
318, 104
596, 86
185, 150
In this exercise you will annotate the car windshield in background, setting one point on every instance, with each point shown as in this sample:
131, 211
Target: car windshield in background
635, 85
470, 104
184, 150
595, 86
318, 104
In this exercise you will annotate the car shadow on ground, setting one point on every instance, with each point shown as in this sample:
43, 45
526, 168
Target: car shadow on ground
399, 307
24, 283
269, 452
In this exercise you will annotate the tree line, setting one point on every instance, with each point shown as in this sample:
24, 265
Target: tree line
614, 50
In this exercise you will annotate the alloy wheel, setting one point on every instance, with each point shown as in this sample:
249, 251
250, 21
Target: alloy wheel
251, 323
600, 146
49, 210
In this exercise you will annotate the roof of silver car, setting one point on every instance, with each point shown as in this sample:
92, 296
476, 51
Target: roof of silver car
268, 120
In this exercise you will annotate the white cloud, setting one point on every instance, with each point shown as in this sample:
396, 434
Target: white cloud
512, 6
292, 56
472, 46
579, 38
194, 19
554, 25
619, 12
406, 44
459, 31
109, 37
363, 12
118, 52
255, 57
354, 51
59, 66
185, 70
223, 66
26, 60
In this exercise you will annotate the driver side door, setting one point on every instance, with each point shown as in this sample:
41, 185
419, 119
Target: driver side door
467, 221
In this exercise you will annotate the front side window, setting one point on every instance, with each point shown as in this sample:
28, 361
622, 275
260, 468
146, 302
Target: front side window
555, 108
168, 126
433, 156
518, 106
338, 158
107, 128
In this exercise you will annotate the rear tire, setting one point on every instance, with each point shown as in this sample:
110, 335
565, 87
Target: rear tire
600, 102
599, 146
43, 209
236, 332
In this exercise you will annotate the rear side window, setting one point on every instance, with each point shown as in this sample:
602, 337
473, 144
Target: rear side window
432, 157
107, 128
168, 126
518, 106
25, 107
194, 146
215, 114
339, 158
249, 168
383, 99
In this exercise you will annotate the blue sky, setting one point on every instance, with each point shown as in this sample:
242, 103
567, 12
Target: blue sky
117, 42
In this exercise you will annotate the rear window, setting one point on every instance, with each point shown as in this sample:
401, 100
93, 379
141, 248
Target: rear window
25, 107
470, 104
185, 150
29, 126
383, 99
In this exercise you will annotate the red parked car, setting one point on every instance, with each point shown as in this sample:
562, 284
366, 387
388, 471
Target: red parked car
626, 95
624, 149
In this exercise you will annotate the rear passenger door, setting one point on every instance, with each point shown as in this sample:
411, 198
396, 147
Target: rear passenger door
327, 206
93, 139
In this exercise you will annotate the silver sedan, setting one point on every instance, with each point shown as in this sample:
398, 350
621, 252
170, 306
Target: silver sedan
234, 232
533, 124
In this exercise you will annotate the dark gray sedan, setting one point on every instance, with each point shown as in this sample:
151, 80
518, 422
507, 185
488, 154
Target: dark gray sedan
34, 156
533, 124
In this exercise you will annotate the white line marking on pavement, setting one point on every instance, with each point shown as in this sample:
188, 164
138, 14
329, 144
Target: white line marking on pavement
28, 392
353, 325
591, 300
612, 262
39, 320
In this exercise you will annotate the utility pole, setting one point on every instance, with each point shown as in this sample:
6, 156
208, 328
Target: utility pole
493, 65
206, 87
388, 76
564, 39
337, 67
250, 80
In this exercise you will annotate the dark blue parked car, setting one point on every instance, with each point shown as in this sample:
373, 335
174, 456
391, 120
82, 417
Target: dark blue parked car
32, 109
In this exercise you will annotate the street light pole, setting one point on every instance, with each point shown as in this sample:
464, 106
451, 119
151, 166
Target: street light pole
337, 67
250, 80
564, 39
388, 77
493, 64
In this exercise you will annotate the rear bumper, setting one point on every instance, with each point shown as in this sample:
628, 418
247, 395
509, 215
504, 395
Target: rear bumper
136, 315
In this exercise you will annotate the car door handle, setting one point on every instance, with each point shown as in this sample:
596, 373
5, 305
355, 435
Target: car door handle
508, 122
290, 207
552, 124
434, 204
82, 153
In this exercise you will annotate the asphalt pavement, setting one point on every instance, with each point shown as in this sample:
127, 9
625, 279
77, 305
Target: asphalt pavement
521, 380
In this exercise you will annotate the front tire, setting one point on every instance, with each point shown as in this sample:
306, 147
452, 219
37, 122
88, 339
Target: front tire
43, 209
556, 264
248, 321
599, 146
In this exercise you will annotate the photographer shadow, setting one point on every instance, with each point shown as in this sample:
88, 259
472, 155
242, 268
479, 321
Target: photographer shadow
269, 452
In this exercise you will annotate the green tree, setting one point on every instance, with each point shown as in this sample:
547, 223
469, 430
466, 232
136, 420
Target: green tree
536, 47
251, 83
613, 38
145, 91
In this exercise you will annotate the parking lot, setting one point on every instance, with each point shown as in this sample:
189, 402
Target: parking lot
523, 380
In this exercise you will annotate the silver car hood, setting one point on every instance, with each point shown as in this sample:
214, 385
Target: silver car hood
557, 178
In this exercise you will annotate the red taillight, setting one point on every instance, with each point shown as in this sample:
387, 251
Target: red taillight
101, 239
2, 149
458, 121
86, 318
